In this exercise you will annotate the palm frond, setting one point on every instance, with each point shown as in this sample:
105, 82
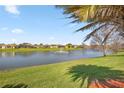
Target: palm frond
111, 31
94, 31
90, 25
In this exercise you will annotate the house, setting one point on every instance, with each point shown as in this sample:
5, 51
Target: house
75, 46
61, 46
36, 46
94, 46
11, 46
46, 46
3, 46
54, 46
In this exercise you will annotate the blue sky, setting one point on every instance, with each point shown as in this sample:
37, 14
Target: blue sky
37, 24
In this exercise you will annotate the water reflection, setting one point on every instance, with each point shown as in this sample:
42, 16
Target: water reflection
13, 54
7, 54
24, 54
9, 60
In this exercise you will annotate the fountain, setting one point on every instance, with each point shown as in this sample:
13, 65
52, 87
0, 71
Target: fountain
61, 51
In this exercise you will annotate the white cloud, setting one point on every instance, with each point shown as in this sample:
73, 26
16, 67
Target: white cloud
51, 38
14, 40
4, 28
17, 31
12, 9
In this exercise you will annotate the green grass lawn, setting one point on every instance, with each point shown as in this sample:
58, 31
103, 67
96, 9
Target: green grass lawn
76, 73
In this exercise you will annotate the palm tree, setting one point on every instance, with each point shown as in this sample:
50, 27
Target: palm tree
98, 17
79, 12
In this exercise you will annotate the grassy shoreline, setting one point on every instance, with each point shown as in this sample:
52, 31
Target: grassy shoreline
67, 74
36, 49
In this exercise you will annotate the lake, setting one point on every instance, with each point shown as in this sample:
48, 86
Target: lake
11, 60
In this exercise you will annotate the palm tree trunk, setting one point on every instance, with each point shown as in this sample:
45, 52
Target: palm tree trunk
104, 50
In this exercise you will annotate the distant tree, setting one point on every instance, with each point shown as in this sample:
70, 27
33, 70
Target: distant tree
117, 42
69, 45
83, 45
99, 40
25, 45
103, 39
41, 44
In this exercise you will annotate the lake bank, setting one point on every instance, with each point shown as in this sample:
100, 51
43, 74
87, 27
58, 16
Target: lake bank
62, 75
37, 49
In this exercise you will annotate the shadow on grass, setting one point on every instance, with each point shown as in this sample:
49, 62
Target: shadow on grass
20, 85
97, 76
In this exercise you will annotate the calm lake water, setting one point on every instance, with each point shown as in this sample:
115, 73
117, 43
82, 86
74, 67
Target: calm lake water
11, 60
